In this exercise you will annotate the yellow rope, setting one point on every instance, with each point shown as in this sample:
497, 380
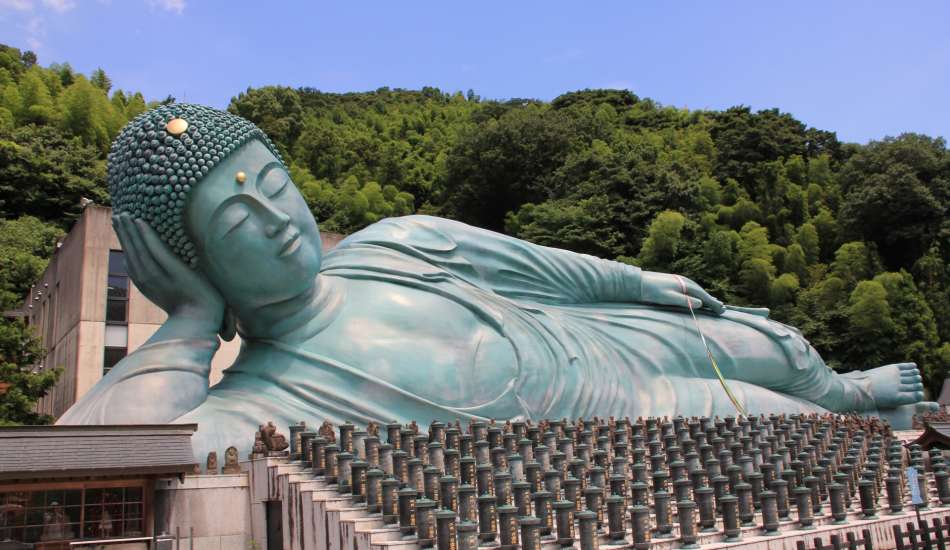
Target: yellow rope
712, 360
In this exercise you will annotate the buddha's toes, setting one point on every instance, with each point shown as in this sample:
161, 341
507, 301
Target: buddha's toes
892, 385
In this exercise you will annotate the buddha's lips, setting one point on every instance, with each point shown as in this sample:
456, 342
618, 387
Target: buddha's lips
290, 245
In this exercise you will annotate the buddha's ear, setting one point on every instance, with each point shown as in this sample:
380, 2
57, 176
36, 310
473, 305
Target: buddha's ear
228, 325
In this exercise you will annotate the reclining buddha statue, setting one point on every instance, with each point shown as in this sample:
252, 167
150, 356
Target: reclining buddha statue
413, 318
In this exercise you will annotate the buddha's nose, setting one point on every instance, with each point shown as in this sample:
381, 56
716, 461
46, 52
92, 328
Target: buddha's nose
277, 223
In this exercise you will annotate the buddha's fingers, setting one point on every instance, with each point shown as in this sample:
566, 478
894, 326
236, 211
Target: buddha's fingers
131, 259
139, 252
706, 299
160, 252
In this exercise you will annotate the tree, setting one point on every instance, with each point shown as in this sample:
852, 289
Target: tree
746, 140
575, 225
754, 243
933, 279
871, 325
37, 104
88, 113
20, 354
914, 337
896, 194
44, 173
795, 262
26, 244
100, 80
854, 261
756, 278
504, 164
275, 109
663, 239
784, 289
807, 238
827, 228
721, 253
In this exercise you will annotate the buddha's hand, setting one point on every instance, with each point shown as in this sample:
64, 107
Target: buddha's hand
673, 290
185, 294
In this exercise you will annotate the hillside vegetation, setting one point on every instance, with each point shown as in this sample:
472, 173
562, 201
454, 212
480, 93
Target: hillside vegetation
848, 242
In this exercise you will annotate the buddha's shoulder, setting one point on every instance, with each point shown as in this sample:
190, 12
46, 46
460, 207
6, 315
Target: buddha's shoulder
426, 233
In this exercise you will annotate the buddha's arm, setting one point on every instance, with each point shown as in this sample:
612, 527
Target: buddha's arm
161, 380
168, 375
505, 265
518, 269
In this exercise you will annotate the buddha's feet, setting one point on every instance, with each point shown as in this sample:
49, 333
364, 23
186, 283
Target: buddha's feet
891, 386
902, 418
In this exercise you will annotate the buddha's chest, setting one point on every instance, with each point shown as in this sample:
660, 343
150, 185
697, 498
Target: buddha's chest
421, 341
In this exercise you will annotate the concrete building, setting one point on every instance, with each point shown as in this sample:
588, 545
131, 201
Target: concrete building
89, 315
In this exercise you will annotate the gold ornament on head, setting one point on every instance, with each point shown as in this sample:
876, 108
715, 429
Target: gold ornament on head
240, 177
176, 126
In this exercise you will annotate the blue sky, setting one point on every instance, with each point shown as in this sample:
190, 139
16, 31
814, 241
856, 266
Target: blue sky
862, 69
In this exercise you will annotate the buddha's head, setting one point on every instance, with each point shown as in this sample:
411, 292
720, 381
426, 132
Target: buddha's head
216, 191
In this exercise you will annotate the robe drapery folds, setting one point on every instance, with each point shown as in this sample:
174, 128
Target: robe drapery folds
583, 345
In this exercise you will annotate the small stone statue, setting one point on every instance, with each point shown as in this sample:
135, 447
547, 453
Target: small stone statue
231, 465
274, 441
414, 427
326, 432
258, 450
212, 466
372, 429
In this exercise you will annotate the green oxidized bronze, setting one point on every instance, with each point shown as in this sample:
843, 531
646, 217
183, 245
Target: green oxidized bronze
413, 318
162, 154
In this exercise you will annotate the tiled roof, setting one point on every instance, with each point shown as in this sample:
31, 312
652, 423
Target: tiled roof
934, 433
45, 452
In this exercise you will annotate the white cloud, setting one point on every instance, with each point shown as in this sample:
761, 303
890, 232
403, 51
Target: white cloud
60, 5
35, 29
177, 6
18, 5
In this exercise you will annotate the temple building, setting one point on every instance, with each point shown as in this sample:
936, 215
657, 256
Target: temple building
60, 484
89, 315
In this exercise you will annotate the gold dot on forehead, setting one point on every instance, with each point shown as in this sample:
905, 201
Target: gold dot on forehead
240, 177
176, 126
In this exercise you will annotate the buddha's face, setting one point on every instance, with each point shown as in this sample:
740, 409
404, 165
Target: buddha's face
256, 238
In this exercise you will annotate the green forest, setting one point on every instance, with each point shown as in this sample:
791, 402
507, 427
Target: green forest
850, 243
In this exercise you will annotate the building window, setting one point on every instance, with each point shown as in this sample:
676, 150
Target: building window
69, 514
117, 312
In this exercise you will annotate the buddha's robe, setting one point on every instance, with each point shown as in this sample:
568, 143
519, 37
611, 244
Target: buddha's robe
582, 344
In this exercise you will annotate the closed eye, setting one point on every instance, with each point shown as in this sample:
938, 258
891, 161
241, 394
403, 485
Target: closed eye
232, 217
236, 224
272, 181
280, 190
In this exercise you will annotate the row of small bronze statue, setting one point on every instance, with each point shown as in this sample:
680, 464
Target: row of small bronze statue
268, 441
489, 496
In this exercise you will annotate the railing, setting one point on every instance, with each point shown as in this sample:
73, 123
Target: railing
150, 542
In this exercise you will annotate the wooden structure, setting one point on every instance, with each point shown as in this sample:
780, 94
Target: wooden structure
60, 484
851, 542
